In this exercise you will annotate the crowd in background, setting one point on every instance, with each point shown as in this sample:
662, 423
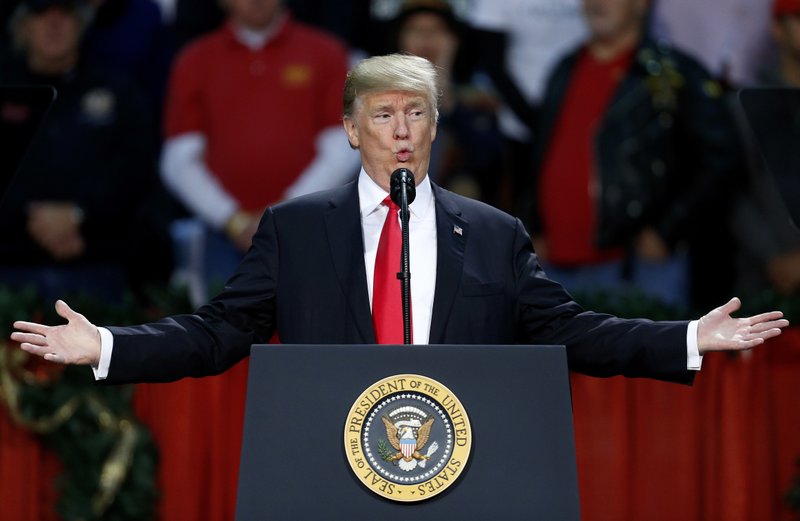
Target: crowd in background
610, 127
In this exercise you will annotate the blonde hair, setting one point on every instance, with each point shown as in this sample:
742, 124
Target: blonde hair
402, 72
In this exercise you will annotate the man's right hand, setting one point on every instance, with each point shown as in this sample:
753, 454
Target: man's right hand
76, 342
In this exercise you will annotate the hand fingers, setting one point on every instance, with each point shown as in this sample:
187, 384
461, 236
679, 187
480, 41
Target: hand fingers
731, 306
52, 357
44, 351
31, 327
64, 311
772, 324
770, 333
746, 345
35, 349
30, 338
764, 317
756, 339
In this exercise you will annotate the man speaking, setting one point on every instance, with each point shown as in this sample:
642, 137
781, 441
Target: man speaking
322, 269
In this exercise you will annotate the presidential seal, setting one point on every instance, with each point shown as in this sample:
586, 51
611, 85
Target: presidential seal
407, 438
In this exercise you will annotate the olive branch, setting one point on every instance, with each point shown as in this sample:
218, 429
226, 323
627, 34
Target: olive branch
384, 450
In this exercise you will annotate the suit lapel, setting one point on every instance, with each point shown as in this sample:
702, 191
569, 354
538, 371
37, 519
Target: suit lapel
343, 222
451, 235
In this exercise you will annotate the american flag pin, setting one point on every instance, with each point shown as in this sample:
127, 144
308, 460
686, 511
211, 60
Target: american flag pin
457, 230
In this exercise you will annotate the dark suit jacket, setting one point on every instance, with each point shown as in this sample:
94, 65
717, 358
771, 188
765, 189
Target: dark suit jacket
304, 277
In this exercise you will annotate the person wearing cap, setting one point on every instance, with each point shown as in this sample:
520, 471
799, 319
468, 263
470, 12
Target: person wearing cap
67, 221
634, 165
467, 155
786, 33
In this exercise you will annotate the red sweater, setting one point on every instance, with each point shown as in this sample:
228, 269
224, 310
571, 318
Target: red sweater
567, 185
259, 110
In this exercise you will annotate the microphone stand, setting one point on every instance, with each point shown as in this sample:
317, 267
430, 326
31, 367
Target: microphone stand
403, 193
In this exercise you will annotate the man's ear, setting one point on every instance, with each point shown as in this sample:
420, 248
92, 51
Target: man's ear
352, 132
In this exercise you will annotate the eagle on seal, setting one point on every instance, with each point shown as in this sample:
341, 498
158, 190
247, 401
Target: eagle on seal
406, 443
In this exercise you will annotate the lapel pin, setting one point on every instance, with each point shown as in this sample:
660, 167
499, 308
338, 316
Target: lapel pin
457, 230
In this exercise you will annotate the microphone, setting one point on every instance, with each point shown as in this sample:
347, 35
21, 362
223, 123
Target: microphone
403, 191
403, 177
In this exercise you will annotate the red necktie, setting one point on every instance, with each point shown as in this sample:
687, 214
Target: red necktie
387, 308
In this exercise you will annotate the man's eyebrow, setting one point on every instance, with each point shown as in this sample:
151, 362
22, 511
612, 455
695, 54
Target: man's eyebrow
389, 107
386, 107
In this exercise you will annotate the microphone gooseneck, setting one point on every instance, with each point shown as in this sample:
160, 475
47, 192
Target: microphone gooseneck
403, 191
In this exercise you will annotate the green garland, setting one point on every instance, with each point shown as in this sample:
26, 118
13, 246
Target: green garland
109, 458
793, 496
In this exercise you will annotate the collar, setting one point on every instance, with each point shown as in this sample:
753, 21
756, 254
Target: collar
371, 197
257, 39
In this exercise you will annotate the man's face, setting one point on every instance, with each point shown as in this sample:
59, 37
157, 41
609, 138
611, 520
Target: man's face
392, 130
427, 35
608, 19
52, 35
254, 14
786, 31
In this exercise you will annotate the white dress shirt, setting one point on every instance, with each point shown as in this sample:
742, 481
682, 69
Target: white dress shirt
422, 247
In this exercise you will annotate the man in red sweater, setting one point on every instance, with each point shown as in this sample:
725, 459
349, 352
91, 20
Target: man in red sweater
637, 155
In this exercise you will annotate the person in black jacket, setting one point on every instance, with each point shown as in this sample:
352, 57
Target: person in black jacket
634, 166
73, 218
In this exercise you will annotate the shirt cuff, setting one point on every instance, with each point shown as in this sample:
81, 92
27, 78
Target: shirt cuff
106, 346
693, 358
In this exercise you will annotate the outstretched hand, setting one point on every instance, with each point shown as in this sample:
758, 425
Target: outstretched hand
718, 331
76, 342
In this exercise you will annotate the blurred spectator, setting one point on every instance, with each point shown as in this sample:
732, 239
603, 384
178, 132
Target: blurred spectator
67, 223
253, 116
466, 154
188, 19
769, 241
729, 37
786, 33
635, 165
129, 35
518, 42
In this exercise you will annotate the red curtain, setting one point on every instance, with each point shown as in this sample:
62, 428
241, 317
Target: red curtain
721, 450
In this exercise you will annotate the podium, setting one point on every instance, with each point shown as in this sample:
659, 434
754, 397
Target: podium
297, 461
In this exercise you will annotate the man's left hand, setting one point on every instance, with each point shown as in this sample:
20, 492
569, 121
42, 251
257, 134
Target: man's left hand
719, 331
